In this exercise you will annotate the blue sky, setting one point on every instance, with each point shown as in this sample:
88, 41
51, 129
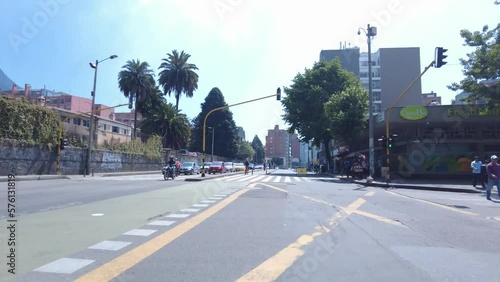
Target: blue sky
246, 48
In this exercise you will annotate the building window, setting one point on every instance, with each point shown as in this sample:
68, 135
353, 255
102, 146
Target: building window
115, 129
86, 123
68, 99
377, 108
376, 95
77, 121
105, 127
125, 131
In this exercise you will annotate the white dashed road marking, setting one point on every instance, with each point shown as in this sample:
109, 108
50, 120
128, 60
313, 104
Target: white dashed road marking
161, 222
65, 265
177, 215
140, 232
110, 245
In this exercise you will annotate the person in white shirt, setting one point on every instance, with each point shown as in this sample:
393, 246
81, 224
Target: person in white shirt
476, 166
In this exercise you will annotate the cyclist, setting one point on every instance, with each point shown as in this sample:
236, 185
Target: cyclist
246, 166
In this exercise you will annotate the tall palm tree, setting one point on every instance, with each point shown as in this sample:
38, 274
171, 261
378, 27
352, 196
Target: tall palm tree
164, 120
178, 75
136, 81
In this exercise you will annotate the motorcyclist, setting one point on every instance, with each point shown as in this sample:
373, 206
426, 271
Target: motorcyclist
171, 163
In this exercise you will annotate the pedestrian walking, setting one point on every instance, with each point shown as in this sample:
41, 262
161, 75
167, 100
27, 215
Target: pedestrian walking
493, 170
476, 166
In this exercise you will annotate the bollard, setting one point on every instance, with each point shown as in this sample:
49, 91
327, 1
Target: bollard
84, 172
92, 172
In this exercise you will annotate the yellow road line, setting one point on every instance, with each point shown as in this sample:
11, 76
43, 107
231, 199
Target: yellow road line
276, 265
433, 204
354, 206
124, 262
369, 194
379, 218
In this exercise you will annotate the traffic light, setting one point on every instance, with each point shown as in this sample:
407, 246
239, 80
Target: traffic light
130, 102
382, 142
439, 57
278, 94
392, 140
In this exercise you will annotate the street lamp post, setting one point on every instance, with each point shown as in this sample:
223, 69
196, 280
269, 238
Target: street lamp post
213, 132
370, 32
91, 125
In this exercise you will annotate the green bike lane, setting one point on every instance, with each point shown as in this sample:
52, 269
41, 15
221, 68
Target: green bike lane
44, 237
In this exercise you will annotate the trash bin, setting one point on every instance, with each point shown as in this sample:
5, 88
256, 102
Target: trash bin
383, 171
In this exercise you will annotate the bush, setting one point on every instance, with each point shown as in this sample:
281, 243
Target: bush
151, 148
33, 124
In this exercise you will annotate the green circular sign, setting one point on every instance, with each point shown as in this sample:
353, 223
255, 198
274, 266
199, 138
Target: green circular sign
413, 112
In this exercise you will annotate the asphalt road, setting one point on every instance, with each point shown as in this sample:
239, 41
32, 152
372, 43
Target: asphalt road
259, 227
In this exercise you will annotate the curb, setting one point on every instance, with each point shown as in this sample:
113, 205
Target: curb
412, 187
127, 173
36, 177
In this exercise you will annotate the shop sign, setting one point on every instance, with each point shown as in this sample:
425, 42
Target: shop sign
413, 112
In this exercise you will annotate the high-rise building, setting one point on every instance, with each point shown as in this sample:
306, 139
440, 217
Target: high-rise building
393, 70
281, 144
241, 132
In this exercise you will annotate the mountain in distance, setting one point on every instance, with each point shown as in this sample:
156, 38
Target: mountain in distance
6, 82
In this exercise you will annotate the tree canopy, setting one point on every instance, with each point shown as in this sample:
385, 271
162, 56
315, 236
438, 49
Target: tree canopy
259, 149
346, 113
245, 150
225, 137
178, 75
482, 66
305, 99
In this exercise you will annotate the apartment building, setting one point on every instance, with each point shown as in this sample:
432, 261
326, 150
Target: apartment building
393, 70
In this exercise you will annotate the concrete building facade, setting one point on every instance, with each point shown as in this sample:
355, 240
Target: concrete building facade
393, 69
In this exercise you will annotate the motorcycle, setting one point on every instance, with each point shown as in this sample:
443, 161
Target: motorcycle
168, 172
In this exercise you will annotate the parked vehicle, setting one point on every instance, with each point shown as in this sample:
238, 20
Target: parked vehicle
239, 167
189, 168
217, 167
168, 172
229, 166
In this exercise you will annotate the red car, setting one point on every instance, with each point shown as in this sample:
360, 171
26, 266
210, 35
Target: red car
217, 167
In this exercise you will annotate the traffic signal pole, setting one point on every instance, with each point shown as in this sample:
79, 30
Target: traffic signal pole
58, 170
387, 136
278, 95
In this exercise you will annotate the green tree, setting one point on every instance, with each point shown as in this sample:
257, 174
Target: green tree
136, 81
305, 99
165, 121
259, 149
482, 65
245, 150
222, 120
178, 75
24, 121
347, 112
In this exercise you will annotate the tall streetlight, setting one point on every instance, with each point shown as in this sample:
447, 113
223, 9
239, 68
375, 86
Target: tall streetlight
370, 32
91, 125
213, 132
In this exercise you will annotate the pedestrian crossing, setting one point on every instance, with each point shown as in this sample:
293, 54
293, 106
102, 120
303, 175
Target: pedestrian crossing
264, 178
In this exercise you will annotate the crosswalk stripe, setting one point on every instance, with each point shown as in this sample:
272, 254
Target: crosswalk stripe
287, 179
257, 178
307, 179
297, 179
277, 179
267, 179
246, 178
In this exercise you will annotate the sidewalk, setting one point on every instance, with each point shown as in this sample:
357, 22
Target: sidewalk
447, 185
52, 177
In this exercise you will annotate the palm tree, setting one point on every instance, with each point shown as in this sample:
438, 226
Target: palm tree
178, 76
136, 81
164, 120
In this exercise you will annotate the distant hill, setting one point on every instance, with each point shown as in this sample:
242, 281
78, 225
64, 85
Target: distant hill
6, 82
